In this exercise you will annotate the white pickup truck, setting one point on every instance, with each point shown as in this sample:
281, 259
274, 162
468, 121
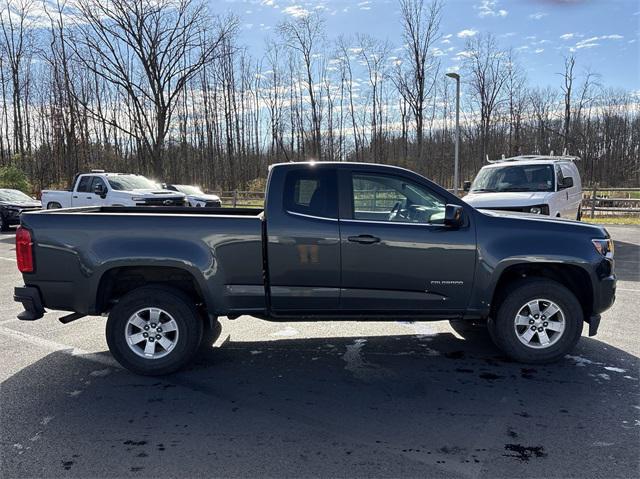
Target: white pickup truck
112, 189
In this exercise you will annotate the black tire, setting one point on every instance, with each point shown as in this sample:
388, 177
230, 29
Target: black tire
4, 226
502, 328
210, 333
579, 215
468, 329
174, 302
53, 205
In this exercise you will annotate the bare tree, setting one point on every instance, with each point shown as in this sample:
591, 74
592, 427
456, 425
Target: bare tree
485, 68
417, 73
304, 35
150, 49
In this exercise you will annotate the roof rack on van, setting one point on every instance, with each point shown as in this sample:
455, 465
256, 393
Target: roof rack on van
97, 171
536, 157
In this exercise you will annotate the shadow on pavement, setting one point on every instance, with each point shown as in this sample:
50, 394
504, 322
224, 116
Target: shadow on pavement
627, 257
428, 406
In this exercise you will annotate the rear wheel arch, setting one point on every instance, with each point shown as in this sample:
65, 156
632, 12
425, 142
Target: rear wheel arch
117, 281
575, 278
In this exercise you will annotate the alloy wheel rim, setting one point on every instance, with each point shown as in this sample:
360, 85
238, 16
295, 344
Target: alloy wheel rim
539, 323
151, 333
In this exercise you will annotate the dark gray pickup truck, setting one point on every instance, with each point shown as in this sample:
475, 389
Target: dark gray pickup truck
335, 241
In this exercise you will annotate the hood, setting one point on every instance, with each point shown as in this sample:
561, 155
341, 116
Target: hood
596, 231
506, 199
203, 197
22, 204
154, 193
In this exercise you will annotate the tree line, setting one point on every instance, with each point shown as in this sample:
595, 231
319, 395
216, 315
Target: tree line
166, 88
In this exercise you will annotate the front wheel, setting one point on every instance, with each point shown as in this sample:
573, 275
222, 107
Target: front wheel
539, 321
53, 205
154, 330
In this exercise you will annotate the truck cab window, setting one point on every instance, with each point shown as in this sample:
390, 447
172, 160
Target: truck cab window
311, 193
392, 198
84, 186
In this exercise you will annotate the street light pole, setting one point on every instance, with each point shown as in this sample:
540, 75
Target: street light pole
456, 178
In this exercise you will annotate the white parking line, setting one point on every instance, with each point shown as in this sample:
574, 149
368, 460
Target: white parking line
8, 259
59, 347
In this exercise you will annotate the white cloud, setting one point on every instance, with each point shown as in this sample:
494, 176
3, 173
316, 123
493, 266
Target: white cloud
488, 8
539, 50
538, 15
567, 36
593, 41
467, 33
296, 11
364, 5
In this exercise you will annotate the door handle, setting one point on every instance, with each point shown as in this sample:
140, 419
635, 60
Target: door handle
364, 239
89, 197
75, 196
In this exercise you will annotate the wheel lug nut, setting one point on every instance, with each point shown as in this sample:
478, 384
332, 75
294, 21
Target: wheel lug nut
531, 321
158, 336
540, 330
159, 330
153, 325
545, 324
151, 339
144, 335
533, 328
536, 316
544, 317
146, 328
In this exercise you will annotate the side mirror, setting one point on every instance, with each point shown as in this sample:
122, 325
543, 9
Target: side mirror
453, 216
100, 191
466, 186
567, 182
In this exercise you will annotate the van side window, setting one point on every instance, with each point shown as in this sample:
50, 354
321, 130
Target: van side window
559, 177
311, 192
84, 186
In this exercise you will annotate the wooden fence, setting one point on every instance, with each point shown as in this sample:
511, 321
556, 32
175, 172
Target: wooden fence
610, 202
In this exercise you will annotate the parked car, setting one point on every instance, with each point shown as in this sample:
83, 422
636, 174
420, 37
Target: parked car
196, 196
336, 241
544, 185
111, 189
12, 204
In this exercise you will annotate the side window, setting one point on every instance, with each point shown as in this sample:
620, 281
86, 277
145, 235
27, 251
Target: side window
84, 186
559, 176
393, 198
98, 181
311, 192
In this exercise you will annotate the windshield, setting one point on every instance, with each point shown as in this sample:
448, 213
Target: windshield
131, 182
188, 190
14, 195
514, 178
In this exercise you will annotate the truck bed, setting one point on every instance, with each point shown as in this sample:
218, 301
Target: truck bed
220, 248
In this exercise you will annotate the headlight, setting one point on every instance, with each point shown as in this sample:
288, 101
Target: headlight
539, 209
604, 247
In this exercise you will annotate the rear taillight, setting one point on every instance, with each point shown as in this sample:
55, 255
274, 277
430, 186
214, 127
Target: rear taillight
24, 250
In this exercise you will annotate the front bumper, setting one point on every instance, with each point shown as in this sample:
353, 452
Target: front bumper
31, 302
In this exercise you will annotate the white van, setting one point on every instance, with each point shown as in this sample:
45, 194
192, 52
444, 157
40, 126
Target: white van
545, 185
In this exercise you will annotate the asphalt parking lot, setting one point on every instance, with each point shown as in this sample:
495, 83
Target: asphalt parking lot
322, 399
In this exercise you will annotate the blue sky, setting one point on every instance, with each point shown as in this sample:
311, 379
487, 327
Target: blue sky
603, 34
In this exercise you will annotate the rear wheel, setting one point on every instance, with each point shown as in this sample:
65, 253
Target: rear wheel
154, 330
53, 205
539, 321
